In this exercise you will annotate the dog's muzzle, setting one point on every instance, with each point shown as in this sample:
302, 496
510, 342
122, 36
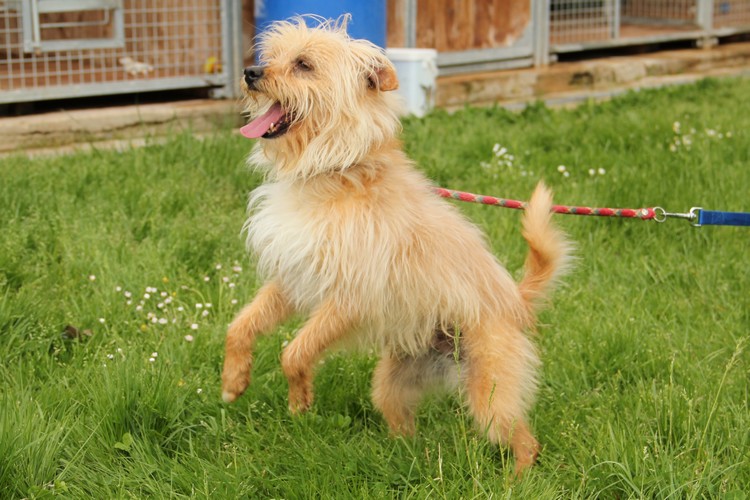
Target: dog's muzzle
252, 75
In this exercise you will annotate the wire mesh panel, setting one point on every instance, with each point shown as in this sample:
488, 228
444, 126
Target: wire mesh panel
576, 21
70, 48
660, 11
731, 14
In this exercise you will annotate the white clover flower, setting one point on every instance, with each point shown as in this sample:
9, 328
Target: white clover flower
233, 301
164, 294
199, 306
232, 285
204, 313
194, 326
189, 338
676, 127
218, 267
225, 279
102, 320
602, 171
206, 279
285, 343
127, 294
139, 307
163, 321
119, 350
92, 277
160, 305
495, 148
199, 390
110, 356
118, 289
128, 302
592, 172
561, 168
154, 354
154, 319
151, 360
180, 308
566, 174
237, 269
168, 300
146, 295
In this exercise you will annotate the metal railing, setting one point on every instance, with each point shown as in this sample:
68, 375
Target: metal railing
53, 49
565, 26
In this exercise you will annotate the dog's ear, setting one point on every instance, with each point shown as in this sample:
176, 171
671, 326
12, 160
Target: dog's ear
383, 76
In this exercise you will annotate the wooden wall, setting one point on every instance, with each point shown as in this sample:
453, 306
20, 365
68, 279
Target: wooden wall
452, 25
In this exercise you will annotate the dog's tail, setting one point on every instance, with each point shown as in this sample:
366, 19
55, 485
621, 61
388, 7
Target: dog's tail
549, 250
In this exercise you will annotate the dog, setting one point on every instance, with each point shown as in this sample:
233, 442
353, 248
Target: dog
349, 234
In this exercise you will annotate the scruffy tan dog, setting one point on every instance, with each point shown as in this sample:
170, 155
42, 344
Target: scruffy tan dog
349, 234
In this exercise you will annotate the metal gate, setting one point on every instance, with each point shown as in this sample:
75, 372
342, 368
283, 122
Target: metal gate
577, 25
52, 49
480, 35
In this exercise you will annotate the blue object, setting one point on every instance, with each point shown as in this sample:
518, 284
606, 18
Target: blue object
367, 21
716, 218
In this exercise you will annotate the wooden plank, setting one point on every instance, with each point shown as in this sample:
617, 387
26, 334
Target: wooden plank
455, 25
396, 23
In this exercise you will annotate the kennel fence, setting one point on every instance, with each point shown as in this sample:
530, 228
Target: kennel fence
479, 35
577, 25
52, 49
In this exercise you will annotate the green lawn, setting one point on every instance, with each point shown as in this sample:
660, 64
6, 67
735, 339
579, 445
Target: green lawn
645, 384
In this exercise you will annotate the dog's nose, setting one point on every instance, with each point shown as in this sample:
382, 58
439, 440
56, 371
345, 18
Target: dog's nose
253, 74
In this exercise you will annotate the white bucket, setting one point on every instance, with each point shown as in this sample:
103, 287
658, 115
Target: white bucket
417, 71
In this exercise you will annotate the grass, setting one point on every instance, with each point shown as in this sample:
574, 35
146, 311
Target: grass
646, 372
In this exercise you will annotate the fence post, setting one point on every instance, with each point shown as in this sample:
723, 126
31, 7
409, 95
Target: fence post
540, 21
231, 46
410, 23
705, 19
615, 18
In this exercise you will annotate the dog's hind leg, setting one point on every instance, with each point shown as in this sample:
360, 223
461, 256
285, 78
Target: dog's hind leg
500, 382
269, 308
399, 383
325, 327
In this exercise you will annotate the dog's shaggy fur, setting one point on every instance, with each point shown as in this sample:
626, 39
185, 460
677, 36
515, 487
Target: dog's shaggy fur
348, 233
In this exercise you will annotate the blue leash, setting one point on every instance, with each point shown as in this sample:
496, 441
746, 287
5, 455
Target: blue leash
700, 217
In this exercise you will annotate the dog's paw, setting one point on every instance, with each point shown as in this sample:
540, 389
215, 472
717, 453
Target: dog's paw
229, 397
234, 382
300, 398
526, 456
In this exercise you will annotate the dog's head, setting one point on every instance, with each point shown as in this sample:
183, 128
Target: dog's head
317, 98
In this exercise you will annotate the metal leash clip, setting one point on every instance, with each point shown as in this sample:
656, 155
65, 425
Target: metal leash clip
693, 215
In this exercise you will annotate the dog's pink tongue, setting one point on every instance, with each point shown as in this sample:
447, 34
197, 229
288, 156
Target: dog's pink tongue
260, 125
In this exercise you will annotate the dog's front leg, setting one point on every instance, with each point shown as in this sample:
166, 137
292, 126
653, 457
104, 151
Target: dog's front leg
269, 308
327, 324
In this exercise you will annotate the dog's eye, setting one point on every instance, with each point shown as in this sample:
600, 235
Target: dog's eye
303, 65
